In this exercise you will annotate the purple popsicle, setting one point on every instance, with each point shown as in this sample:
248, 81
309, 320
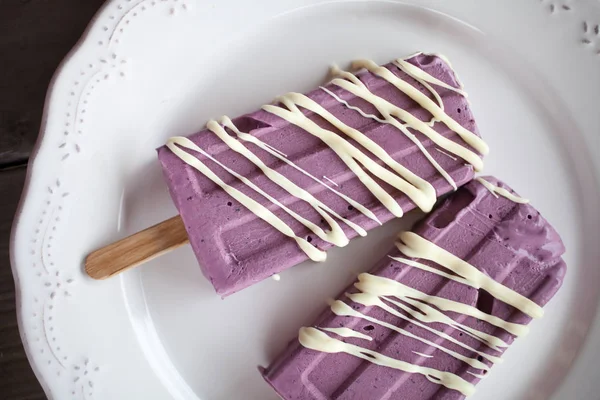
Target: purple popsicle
341, 152
431, 326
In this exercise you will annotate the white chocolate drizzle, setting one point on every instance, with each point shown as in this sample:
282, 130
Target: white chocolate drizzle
423, 354
417, 189
314, 339
496, 190
347, 333
175, 144
384, 287
415, 246
421, 309
423, 76
246, 137
388, 119
428, 314
335, 236
330, 181
392, 113
446, 154
469, 137
343, 310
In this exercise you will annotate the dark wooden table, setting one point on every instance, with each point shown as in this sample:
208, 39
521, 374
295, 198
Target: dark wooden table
35, 35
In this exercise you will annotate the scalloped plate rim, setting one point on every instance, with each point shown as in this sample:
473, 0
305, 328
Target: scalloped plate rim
31, 166
28, 176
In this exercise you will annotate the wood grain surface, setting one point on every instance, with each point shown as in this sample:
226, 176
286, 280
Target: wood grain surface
136, 249
35, 35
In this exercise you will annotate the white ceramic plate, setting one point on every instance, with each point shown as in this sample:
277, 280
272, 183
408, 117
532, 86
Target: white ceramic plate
149, 69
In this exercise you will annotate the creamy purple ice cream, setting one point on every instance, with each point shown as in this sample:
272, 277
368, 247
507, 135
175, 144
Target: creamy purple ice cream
433, 316
275, 187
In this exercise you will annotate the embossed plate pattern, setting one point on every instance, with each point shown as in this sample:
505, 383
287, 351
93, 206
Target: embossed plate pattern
149, 69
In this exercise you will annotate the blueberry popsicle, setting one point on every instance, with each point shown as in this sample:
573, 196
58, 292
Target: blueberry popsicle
432, 317
268, 190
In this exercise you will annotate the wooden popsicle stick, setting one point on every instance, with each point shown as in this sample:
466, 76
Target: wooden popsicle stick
136, 249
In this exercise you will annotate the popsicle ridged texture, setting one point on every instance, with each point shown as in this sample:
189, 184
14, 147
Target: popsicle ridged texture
414, 329
237, 247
